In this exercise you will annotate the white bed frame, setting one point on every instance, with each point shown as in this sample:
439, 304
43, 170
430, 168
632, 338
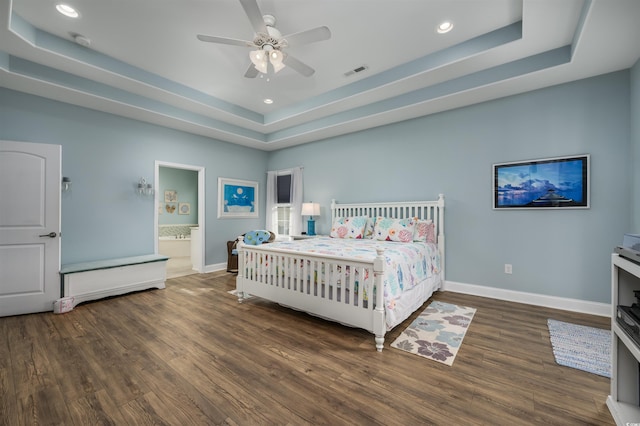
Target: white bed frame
281, 275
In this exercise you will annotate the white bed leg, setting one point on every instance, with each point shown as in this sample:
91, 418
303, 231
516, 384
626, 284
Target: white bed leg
379, 343
379, 324
241, 269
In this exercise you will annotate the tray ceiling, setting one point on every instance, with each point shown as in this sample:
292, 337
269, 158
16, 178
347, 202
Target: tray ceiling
145, 62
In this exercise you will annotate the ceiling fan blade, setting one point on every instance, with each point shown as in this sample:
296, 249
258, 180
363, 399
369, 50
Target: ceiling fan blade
252, 72
225, 40
255, 16
295, 64
308, 36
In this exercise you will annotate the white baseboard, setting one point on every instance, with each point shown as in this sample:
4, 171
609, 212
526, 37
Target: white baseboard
215, 267
566, 304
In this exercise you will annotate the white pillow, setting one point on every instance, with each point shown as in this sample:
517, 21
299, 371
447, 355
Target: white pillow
387, 229
348, 227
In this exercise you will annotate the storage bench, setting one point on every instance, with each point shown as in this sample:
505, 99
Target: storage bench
102, 278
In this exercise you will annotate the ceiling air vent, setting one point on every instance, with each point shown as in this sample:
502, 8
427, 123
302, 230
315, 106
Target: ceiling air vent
356, 70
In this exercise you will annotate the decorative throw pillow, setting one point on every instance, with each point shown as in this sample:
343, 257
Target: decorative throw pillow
431, 233
348, 227
387, 229
369, 227
424, 231
255, 238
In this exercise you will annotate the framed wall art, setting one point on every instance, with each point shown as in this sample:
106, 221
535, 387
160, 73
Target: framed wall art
184, 208
170, 196
556, 183
237, 198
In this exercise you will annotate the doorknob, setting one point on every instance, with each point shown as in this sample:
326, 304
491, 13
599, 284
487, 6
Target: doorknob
50, 235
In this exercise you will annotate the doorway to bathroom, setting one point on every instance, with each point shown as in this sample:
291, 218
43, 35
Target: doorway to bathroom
179, 217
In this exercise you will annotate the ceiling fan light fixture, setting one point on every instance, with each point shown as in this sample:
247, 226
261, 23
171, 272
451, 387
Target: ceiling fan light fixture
261, 58
277, 66
276, 57
262, 67
269, 43
257, 57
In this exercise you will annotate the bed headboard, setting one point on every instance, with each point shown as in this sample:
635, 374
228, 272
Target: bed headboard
433, 210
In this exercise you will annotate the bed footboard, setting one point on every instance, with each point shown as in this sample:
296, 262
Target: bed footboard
348, 291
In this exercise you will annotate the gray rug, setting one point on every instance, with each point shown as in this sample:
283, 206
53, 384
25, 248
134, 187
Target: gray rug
581, 347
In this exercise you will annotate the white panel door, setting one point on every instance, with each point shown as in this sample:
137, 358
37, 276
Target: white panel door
29, 227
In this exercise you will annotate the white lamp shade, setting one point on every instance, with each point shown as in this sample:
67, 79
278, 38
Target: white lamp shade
310, 209
277, 66
276, 57
262, 67
257, 57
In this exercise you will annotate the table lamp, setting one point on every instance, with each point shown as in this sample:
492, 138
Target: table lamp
311, 210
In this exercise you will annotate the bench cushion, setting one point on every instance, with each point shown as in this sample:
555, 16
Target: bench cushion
111, 263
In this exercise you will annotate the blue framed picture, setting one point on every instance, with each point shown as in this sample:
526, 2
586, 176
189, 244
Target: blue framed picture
237, 198
556, 183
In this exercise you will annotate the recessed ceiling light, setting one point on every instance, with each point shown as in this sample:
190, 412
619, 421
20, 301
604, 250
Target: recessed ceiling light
268, 101
444, 27
67, 10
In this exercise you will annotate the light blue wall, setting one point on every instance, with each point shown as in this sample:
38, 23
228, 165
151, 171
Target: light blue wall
105, 156
559, 253
635, 145
185, 183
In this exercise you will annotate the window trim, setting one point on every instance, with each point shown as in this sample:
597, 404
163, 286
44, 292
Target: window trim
287, 205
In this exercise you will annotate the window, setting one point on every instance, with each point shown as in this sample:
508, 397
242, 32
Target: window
284, 189
284, 201
283, 206
284, 213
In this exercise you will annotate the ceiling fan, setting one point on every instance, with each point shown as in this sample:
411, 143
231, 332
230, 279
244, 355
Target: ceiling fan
269, 43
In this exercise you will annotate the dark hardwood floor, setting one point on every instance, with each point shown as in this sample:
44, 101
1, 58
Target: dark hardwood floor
190, 354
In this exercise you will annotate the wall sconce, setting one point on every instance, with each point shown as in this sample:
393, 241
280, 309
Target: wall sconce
66, 184
145, 188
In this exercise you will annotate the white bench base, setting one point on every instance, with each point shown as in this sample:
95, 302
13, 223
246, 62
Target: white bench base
99, 279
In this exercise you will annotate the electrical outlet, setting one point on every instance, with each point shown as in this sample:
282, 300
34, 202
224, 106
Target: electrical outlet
508, 269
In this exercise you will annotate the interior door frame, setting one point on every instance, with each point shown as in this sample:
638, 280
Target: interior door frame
201, 204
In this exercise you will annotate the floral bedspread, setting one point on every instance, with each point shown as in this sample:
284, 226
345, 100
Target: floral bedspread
406, 264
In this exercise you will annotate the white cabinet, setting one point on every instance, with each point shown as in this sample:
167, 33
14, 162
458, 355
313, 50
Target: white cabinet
624, 401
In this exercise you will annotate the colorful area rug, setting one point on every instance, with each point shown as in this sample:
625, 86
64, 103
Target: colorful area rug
581, 347
437, 333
